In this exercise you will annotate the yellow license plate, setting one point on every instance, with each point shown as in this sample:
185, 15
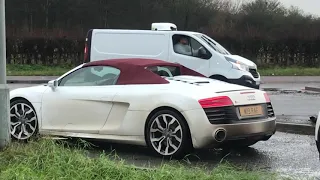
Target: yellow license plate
247, 111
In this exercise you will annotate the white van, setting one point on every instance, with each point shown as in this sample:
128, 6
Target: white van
207, 56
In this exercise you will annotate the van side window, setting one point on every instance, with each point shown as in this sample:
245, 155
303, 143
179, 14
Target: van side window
188, 46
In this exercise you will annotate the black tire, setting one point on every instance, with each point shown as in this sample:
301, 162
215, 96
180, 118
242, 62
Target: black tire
220, 78
28, 116
185, 145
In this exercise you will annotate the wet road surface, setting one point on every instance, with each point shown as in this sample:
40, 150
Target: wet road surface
15, 86
288, 154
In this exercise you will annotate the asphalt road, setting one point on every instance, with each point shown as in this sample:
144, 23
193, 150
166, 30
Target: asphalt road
287, 153
15, 86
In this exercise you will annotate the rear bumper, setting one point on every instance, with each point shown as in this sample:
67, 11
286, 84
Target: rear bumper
203, 132
246, 81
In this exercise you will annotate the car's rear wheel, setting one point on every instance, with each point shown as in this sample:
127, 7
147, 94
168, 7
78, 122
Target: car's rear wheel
23, 120
168, 135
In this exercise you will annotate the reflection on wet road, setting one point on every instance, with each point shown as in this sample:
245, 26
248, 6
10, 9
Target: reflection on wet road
286, 153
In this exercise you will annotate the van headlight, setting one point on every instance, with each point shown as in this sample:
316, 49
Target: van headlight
237, 64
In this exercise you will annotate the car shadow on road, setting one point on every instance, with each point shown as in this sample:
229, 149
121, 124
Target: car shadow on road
249, 158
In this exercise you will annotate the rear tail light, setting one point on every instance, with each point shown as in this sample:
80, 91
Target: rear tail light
219, 101
266, 97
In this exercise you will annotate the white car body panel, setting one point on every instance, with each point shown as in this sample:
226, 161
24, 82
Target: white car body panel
66, 108
317, 128
119, 113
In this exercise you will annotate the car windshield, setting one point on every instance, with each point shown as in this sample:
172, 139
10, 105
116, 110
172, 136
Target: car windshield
215, 45
167, 71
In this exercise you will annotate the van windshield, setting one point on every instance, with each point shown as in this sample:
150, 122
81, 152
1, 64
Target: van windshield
215, 45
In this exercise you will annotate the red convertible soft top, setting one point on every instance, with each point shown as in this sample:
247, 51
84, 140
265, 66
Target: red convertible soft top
133, 70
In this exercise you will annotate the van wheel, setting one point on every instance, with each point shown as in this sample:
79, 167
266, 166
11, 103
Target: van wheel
220, 78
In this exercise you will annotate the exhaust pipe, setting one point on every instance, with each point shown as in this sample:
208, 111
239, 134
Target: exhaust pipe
220, 135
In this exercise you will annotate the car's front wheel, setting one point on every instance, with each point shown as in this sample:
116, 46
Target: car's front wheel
23, 120
167, 134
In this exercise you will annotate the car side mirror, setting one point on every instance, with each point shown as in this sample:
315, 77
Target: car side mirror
53, 84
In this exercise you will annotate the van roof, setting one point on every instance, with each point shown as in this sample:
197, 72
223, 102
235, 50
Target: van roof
133, 70
147, 31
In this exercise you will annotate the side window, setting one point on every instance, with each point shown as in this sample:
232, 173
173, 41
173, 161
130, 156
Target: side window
92, 76
188, 46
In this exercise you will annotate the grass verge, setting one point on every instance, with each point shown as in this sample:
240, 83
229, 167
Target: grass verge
46, 159
289, 71
36, 70
40, 70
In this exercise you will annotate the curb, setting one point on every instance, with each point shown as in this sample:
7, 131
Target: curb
315, 89
303, 129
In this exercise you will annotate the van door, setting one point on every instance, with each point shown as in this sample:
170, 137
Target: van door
190, 53
118, 44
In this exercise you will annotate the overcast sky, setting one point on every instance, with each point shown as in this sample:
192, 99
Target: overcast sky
308, 6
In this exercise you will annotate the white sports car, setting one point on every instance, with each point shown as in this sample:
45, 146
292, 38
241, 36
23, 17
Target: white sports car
317, 133
165, 106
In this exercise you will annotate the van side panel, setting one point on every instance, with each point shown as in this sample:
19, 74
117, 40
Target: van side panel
111, 44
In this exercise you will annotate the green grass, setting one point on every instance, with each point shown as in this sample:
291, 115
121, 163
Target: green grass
36, 70
289, 71
40, 70
48, 160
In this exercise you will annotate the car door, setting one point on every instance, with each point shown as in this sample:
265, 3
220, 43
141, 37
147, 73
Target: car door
192, 58
82, 100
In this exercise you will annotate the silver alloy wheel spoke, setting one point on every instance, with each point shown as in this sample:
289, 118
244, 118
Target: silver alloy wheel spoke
28, 112
171, 122
14, 115
160, 144
167, 148
31, 127
176, 129
30, 120
20, 134
23, 110
159, 125
23, 121
14, 127
25, 131
165, 120
157, 139
166, 140
153, 130
177, 138
16, 110
172, 145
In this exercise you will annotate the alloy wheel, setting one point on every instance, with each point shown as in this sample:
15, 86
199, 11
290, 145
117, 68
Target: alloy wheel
23, 121
166, 134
